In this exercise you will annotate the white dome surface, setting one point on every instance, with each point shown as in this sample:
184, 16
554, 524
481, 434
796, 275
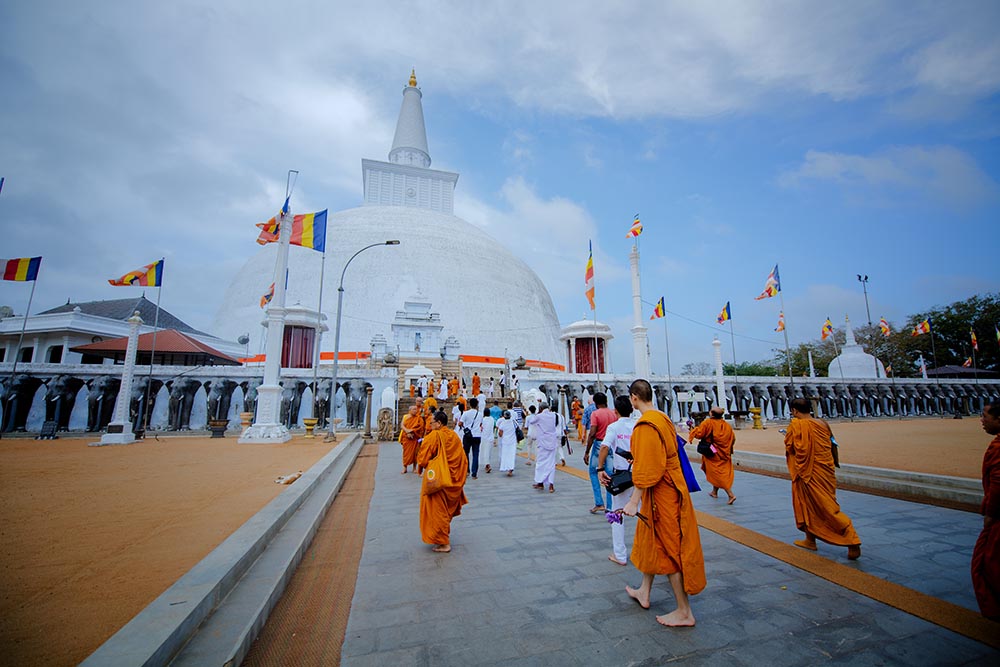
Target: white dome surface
488, 298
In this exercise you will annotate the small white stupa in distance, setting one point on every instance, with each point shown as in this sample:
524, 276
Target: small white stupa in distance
853, 361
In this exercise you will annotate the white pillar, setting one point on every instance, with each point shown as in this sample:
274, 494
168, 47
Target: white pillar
720, 384
267, 426
572, 355
120, 429
640, 344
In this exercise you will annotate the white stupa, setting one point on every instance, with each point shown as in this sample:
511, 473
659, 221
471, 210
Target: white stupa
488, 299
853, 361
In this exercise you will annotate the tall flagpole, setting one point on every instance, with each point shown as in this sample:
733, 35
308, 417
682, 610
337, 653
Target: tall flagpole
732, 337
937, 373
319, 333
152, 353
20, 338
788, 352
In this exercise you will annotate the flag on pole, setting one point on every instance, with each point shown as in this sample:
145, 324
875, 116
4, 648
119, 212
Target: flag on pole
309, 230
922, 328
975, 342
781, 322
725, 315
21, 269
967, 363
150, 275
888, 369
267, 296
772, 286
827, 329
636, 228
884, 326
269, 231
588, 277
660, 310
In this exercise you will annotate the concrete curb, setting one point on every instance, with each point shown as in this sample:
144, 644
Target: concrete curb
161, 630
921, 485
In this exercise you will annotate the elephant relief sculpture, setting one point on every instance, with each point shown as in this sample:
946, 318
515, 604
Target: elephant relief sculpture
220, 396
250, 395
137, 406
355, 405
321, 406
101, 402
291, 401
181, 401
17, 398
60, 398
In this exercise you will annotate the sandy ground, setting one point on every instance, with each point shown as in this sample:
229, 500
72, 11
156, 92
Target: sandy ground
91, 535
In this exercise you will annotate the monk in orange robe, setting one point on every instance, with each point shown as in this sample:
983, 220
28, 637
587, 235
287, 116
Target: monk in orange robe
430, 387
718, 468
409, 436
666, 539
438, 509
430, 406
476, 383
986, 554
453, 387
809, 453
413, 388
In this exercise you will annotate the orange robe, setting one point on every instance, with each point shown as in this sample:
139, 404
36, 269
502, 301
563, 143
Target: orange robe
719, 468
430, 387
437, 510
412, 389
409, 442
452, 387
986, 554
670, 541
814, 483
475, 385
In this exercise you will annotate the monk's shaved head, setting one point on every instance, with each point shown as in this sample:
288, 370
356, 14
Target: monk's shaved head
642, 390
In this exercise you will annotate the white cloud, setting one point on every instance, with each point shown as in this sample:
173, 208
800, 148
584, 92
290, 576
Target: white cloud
943, 172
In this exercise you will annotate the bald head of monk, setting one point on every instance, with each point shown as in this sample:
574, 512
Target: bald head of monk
717, 412
800, 407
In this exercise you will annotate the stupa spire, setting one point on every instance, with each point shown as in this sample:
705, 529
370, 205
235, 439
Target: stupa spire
409, 145
849, 332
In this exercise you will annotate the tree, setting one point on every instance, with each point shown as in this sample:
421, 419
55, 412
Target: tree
697, 368
950, 326
748, 368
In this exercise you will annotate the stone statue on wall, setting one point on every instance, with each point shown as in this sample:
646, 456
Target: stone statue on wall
386, 428
181, 401
321, 405
355, 404
101, 402
17, 399
291, 401
60, 397
250, 395
220, 397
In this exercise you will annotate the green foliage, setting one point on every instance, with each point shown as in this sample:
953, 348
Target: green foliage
748, 368
697, 368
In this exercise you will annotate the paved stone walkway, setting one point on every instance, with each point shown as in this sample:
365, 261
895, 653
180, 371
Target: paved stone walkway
528, 583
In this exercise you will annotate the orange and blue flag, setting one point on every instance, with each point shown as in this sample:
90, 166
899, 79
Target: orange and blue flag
975, 342
725, 315
21, 269
267, 296
309, 230
967, 363
772, 286
922, 328
827, 329
636, 228
150, 275
660, 310
884, 326
781, 321
588, 277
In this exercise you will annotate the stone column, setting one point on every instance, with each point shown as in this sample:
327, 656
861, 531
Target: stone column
65, 354
368, 413
120, 429
572, 355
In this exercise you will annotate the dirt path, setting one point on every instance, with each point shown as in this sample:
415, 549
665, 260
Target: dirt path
91, 535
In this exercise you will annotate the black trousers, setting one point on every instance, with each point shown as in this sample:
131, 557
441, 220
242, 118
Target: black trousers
473, 444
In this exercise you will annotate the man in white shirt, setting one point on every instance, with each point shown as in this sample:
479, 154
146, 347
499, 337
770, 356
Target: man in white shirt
618, 437
471, 425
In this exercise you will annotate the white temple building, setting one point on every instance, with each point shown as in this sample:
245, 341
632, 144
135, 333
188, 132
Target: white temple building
487, 300
853, 361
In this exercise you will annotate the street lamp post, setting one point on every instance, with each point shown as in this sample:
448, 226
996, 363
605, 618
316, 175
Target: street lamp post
332, 432
871, 333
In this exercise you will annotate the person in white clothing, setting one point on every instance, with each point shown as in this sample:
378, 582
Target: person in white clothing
486, 440
471, 426
564, 450
529, 432
443, 389
491, 388
618, 437
508, 443
547, 435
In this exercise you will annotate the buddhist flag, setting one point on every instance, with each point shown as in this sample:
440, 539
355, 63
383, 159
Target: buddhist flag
309, 230
772, 286
888, 369
266, 298
827, 329
660, 310
884, 326
588, 277
967, 363
725, 315
269, 231
636, 228
922, 328
150, 275
781, 321
21, 269
975, 342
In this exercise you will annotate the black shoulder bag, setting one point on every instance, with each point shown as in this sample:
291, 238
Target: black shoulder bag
706, 447
622, 479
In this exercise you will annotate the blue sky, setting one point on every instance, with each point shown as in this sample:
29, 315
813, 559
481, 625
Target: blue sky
833, 140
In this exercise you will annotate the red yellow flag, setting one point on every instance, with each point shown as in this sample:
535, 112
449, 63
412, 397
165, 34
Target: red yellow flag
772, 286
967, 363
20, 269
636, 228
827, 329
781, 322
884, 326
975, 343
660, 310
922, 328
150, 275
588, 276
267, 296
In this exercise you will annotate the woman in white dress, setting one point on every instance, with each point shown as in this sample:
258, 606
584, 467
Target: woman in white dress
508, 443
486, 441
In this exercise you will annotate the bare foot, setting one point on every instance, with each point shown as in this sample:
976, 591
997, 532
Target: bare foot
404, 472
676, 619
552, 488
537, 486
806, 544
636, 595
614, 560
713, 494
510, 473
854, 552
442, 548
732, 499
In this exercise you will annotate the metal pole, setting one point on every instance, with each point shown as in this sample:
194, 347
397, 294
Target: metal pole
17, 352
871, 334
144, 423
319, 331
788, 352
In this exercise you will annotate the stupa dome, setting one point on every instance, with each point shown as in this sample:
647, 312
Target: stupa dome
487, 297
853, 361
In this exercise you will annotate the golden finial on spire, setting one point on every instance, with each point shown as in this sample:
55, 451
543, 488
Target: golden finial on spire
413, 78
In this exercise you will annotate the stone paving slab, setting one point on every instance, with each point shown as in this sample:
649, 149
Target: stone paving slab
528, 583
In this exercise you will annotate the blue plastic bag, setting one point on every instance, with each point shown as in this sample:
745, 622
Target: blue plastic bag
689, 477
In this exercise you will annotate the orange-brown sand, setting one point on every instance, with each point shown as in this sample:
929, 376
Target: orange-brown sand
91, 535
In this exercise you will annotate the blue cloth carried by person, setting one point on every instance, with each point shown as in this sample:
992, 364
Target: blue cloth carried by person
689, 477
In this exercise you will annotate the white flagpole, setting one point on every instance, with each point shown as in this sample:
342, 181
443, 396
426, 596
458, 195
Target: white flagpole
319, 332
17, 353
152, 353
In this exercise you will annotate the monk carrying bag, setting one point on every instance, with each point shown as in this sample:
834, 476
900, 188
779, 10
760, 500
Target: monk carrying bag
706, 447
438, 475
